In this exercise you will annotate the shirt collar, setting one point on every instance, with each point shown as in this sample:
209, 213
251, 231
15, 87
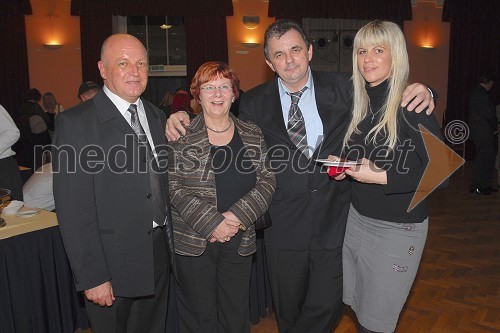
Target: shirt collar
121, 104
283, 90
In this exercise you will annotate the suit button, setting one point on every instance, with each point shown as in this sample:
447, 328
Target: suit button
313, 191
149, 195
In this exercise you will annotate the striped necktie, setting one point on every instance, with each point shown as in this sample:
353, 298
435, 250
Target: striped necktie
158, 193
296, 125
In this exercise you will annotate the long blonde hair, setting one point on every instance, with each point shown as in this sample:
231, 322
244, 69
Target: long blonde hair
388, 35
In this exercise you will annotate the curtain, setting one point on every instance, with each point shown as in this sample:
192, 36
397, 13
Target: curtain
206, 40
474, 48
152, 7
391, 10
91, 40
14, 84
205, 22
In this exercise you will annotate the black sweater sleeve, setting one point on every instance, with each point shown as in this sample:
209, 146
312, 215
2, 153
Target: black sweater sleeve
407, 173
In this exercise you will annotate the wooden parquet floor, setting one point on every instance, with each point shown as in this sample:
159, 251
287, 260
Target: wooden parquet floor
457, 289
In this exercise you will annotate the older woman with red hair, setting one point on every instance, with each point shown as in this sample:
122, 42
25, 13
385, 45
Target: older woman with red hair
220, 184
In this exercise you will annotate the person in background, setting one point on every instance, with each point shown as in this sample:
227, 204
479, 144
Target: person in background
216, 201
33, 124
50, 104
383, 241
181, 102
87, 90
10, 177
114, 216
308, 211
195, 106
181, 90
166, 103
37, 191
52, 109
483, 125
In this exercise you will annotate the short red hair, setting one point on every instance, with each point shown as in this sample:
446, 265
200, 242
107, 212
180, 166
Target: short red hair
211, 71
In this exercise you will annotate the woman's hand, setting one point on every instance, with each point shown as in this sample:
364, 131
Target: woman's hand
225, 231
174, 128
334, 158
368, 173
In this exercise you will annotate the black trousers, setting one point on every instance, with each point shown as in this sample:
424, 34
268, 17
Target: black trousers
139, 314
10, 177
306, 288
213, 291
484, 163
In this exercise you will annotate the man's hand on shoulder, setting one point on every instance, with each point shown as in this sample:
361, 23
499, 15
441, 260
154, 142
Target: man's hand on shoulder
176, 124
420, 98
101, 295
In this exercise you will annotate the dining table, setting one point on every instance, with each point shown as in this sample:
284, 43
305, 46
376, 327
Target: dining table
37, 292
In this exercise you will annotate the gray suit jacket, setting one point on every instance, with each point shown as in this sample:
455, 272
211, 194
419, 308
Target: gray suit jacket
102, 194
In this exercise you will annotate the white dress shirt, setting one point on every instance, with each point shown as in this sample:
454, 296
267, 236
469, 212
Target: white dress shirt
37, 191
122, 106
9, 134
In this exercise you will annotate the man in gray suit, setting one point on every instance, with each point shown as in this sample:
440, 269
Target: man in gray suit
111, 194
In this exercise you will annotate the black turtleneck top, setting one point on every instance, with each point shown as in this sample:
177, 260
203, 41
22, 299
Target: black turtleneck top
405, 164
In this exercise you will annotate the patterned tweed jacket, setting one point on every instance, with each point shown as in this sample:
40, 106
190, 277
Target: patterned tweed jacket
193, 190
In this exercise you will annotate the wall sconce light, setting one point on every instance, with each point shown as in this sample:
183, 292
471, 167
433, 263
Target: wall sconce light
250, 45
53, 46
251, 22
427, 40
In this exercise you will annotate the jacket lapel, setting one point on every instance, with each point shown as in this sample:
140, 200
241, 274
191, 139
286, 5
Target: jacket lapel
107, 112
324, 103
156, 128
273, 97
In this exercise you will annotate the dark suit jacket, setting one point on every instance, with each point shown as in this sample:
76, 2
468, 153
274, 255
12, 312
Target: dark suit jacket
305, 196
482, 115
102, 194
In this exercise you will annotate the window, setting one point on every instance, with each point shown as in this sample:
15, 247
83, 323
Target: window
164, 38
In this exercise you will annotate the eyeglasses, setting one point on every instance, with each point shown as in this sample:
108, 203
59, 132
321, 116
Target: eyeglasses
211, 89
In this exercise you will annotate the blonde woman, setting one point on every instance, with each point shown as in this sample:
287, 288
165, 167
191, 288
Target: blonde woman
383, 242
50, 104
52, 109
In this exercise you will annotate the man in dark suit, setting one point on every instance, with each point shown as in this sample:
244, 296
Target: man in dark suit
308, 211
111, 194
483, 125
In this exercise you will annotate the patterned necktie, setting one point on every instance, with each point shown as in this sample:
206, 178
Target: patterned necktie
158, 194
296, 124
